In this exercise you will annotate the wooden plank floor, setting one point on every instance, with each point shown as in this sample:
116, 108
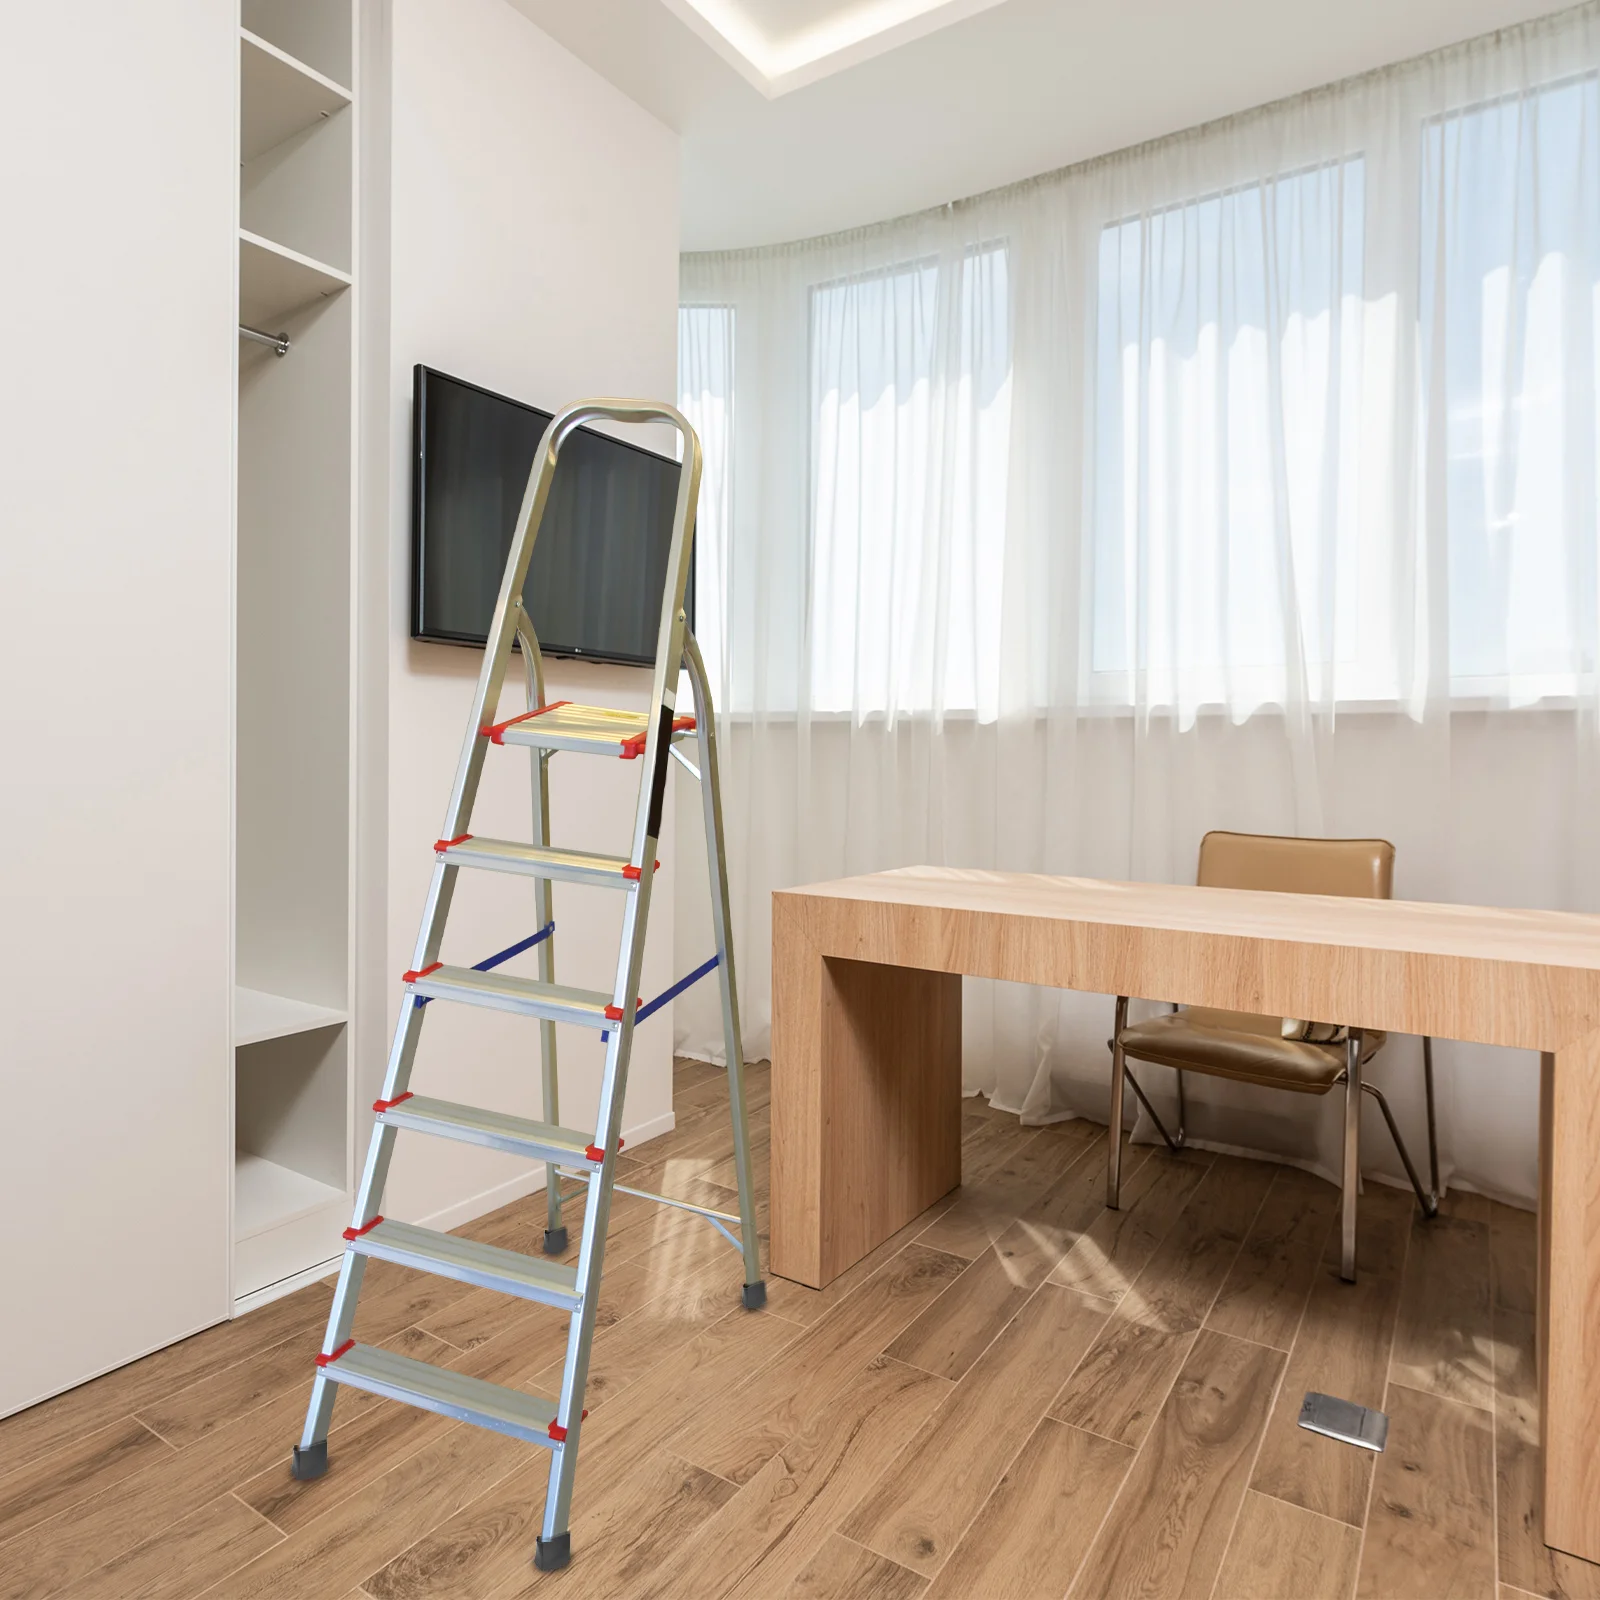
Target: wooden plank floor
1021, 1395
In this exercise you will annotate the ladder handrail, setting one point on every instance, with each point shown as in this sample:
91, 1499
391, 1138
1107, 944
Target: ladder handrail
530, 516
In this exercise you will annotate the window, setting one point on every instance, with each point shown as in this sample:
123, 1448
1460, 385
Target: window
1510, 314
910, 407
705, 397
1331, 437
1224, 544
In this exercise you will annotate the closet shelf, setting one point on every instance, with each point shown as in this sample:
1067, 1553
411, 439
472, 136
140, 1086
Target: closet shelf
267, 1196
275, 280
258, 1015
279, 96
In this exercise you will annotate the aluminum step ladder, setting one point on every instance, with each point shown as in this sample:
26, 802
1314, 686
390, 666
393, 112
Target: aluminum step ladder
545, 729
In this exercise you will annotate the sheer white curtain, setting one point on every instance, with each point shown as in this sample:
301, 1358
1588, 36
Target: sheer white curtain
1242, 480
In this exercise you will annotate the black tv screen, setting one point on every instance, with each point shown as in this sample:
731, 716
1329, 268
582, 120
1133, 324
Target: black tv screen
599, 562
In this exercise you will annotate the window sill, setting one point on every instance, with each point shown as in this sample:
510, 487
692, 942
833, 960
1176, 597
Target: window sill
1460, 705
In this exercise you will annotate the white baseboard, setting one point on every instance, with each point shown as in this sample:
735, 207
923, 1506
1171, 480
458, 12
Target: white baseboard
526, 1183
646, 1131
100, 1372
276, 1291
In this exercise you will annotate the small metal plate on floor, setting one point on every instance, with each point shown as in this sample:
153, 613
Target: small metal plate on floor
1344, 1420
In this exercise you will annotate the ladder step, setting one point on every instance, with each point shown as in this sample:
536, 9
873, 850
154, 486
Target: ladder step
536, 861
494, 1130
521, 996
485, 1266
590, 730
451, 1394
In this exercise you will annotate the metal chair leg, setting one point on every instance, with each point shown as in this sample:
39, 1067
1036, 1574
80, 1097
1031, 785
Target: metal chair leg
1433, 1132
1118, 1071
1174, 1145
1352, 1157
1428, 1202
1183, 1116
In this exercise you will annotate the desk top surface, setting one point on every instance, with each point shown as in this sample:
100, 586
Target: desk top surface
1475, 933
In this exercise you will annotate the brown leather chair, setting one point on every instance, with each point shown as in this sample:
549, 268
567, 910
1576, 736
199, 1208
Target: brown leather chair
1303, 1057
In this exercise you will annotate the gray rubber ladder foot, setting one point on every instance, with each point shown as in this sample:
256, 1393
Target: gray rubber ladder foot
555, 1241
755, 1295
551, 1555
311, 1463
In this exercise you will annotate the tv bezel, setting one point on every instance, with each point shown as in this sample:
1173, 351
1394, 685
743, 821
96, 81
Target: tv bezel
425, 635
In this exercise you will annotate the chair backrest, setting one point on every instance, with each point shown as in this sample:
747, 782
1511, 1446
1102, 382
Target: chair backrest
1359, 868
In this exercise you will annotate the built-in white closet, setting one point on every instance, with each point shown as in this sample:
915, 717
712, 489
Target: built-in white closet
293, 1047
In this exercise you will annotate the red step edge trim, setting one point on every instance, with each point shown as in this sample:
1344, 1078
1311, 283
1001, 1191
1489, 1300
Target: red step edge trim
333, 1355
558, 1433
635, 873
633, 745
595, 1153
614, 1013
421, 972
495, 732
444, 844
366, 1227
389, 1105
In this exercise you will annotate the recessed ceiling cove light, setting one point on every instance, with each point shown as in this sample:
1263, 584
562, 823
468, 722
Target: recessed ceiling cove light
779, 45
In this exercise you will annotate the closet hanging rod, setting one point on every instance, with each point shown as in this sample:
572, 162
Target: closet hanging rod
278, 341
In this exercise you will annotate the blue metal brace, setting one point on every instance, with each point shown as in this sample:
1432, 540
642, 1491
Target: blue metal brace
660, 1000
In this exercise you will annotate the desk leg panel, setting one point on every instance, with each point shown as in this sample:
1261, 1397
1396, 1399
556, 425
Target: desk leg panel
866, 1104
1569, 1296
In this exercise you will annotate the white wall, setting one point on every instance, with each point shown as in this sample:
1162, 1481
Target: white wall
116, 428
535, 251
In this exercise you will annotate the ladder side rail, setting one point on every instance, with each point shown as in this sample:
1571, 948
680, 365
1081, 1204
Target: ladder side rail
310, 1458
652, 789
396, 1080
625, 995
722, 932
619, 1047
430, 935
596, 1220
647, 828
669, 650
555, 1238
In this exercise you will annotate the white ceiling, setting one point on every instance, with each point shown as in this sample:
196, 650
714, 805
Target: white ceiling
781, 45
800, 117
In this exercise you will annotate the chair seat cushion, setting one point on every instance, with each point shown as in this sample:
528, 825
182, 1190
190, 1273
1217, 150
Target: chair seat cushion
1250, 1049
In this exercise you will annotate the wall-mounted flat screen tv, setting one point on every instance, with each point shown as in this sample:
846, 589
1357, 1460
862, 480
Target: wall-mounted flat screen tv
599, 562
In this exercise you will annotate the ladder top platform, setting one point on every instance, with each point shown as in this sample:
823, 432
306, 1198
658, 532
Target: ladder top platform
593, 730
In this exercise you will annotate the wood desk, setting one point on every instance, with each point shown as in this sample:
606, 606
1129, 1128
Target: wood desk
866, 1055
